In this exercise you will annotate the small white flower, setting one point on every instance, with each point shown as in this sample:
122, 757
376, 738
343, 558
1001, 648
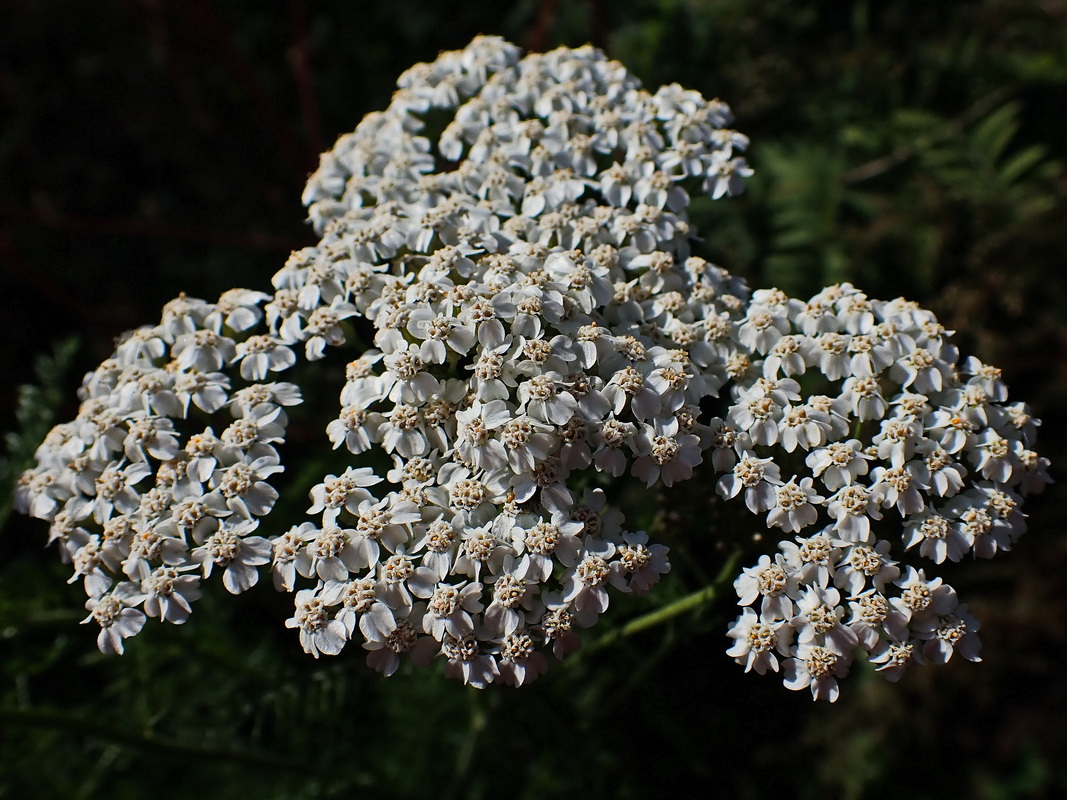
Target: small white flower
168, 594
758, 477
794, 505
319, 634
641, 564
345, 491
772, 581
956, 631
756, 642
584, 583
838, 463
938, 538
232, 550
262, 354
819, 620
816, 667
664, 454
863, 564
117, 616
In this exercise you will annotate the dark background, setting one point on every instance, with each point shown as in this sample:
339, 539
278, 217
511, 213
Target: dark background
149, 148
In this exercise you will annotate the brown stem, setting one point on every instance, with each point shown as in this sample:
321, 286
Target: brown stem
598, 26
300, 61
537, 39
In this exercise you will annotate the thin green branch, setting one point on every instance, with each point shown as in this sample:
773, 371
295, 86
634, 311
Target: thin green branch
701, 597
469, 746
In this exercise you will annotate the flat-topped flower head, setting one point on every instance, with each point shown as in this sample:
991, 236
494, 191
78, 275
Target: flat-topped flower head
506, 298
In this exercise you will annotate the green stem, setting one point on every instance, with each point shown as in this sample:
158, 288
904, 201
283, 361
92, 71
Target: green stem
692, 601
469, 746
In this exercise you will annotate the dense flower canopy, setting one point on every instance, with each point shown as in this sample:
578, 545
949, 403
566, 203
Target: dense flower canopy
511, 234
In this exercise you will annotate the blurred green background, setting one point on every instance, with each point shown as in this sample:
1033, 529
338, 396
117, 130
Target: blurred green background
151, 147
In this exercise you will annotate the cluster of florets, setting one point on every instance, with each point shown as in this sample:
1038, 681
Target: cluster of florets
905, 449
510, 236
142, 497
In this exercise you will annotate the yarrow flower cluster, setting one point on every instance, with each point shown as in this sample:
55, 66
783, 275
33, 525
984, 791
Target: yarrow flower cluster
908, 450
510, 237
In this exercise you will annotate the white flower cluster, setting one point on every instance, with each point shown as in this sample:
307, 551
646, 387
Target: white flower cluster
512, 235
529, 307
138, 491
907, 449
